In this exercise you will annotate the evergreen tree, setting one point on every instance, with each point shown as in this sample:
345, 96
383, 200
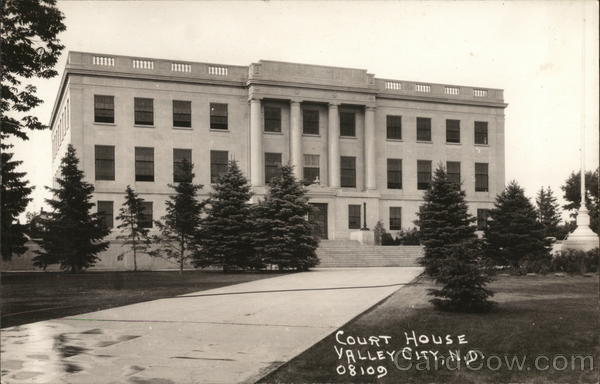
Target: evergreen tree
464, 277
513, 235
225, 238
444, 221
133, 233
71, 234
14, 199
572, 194
548, 212
283, 235
179, 227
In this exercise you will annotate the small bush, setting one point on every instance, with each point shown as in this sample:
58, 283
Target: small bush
575, 261
387, 239
409, 237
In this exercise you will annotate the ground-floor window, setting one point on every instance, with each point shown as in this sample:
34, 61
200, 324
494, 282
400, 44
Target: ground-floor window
395, 218
482, 219
354, 216
105, 212
146, 220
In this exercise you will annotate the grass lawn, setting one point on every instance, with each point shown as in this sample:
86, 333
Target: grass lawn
536, 315
34, 296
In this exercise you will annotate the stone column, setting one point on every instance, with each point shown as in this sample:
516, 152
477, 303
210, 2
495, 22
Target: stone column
295, 139
369, 141
257, 177
334, 146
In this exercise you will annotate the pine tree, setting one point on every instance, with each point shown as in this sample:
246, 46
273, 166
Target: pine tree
134, 235
514, 236
548, 211
14, 199
225, 238
444, 221
72, 235
179, 228
283, 235
464, 276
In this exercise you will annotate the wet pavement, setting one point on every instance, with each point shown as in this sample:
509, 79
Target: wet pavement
231, 334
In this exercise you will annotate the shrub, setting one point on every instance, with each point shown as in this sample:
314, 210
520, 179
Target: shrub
387, 239
575, 261
409, 237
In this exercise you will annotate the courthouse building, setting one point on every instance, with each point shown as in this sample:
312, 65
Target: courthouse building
352, 137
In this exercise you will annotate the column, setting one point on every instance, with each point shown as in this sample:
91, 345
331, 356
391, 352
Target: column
369, 141
257, 177
295, 139
334, 146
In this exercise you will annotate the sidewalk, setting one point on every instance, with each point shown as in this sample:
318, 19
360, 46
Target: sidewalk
226, 335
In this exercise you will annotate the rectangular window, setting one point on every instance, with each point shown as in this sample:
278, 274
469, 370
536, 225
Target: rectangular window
179, 156
218, 164
182, 114
272, 119
394, 173
105, 212
348, 171
104, 109
423, 129
423, 174
453, 171
272, 166
144, 164
354, 216
452, 131
311, 169
310, 122
395, 218
144, 111
481, 132
348, 124
105, 162
394, 127
481, 177
218, 116
482, 219
146, 220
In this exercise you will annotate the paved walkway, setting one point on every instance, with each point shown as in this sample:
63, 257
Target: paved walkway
227, 335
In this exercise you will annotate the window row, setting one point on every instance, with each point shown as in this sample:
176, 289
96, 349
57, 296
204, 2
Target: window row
104, 112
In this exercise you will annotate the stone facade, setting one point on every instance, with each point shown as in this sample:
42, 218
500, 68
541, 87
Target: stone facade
290, 88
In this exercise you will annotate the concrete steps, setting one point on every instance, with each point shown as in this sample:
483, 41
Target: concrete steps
350, 253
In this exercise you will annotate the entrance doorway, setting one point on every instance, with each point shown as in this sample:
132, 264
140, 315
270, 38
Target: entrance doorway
319, 217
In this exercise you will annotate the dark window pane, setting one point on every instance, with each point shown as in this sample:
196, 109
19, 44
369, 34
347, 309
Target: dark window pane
272, 119
105, 212
310, 122
146, 219
347, 124
394, 127
218, 116
218, 164
481, 177
394, 173
311, 169
481, 132
104, 109
144, 111
423, 174
179, 155
144, 164
348, 171
453, 171
182, 113
105, 162
395, 218
423, 129
482, 219
453, 131
272, 166
354, 216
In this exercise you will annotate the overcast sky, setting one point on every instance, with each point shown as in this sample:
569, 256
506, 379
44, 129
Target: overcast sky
533, 50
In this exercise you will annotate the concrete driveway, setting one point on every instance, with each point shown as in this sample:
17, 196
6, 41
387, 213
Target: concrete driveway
227, 335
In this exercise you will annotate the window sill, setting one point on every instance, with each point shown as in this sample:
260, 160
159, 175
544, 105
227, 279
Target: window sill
143, 126
311, 134
183, 128
424, 142
447, 143
482, 191
394, 140
349, 137
273, 133
219, 130
482, 145
105, 124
